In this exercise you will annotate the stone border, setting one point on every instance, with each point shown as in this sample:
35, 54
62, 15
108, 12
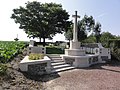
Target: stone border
40, 67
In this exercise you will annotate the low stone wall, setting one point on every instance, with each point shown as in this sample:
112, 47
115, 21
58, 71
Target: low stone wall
35, 49
36, 67
69, 60
93, 60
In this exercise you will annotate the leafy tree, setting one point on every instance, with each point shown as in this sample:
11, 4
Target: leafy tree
69, 34
82, 34
87, 23
97, 30
41, 20
105, 37
90, 39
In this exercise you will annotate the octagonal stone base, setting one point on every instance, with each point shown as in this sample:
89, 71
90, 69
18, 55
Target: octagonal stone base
81, 61
75, 52
75, 45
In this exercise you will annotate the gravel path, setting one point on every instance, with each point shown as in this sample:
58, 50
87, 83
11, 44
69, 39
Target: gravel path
98, 77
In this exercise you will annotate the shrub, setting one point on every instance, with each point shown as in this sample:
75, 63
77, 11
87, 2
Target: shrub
34, 56
114, 44
115, 54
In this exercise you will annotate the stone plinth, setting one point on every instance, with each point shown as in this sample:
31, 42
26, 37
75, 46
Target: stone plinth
75, 49
74, 45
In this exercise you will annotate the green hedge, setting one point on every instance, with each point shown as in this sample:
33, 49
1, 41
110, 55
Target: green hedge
54, 50
114, 45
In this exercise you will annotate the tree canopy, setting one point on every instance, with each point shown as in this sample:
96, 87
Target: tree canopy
97, 30
41, 20
105, 37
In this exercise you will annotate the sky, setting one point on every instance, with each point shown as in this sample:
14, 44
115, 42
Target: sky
107, 12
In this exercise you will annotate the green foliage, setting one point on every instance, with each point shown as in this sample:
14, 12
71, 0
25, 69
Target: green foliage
97, 30
34, 56
105, 37
41, 20
54, 50
87, 23
115, 52
82, 33
3, 69
114, 44
90, 39
8, 49
69, 34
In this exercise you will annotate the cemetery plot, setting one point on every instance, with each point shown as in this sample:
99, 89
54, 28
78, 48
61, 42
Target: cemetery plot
8, 49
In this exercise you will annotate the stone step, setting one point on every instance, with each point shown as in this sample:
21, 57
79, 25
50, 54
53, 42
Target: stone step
62, 69
56, 58
53, 55
58, 63
61, 66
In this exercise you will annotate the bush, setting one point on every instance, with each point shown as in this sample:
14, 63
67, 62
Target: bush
114, 44
34, 56
115, 54
3, 69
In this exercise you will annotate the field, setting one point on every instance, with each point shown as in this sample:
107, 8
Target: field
8, 49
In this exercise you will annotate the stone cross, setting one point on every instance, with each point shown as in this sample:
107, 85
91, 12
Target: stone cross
75, 27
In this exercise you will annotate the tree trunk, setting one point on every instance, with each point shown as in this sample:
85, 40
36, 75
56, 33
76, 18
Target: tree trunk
69, 43
43, 42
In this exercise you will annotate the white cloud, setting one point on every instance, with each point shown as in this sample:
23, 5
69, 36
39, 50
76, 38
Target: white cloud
101, 15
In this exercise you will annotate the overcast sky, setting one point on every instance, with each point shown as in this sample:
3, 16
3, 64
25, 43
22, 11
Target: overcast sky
107, 12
